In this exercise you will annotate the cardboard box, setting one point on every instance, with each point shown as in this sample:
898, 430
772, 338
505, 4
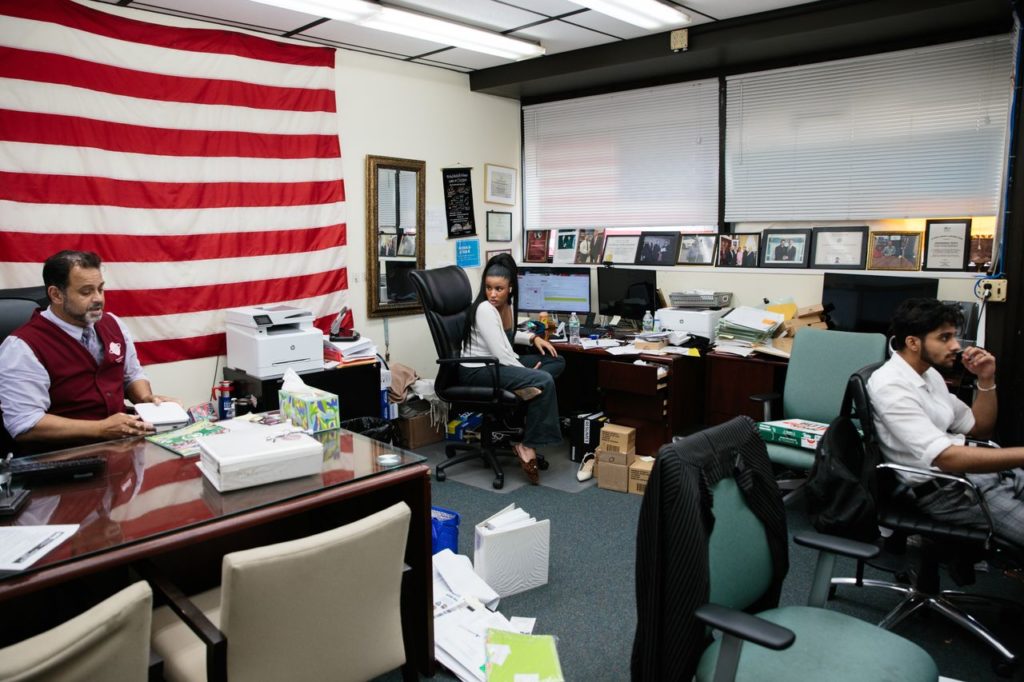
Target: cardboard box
640, 344
617, 438
611, 457
311, 409
467, 421
801, 433
639, 472
614, 477
417, 431
585, 433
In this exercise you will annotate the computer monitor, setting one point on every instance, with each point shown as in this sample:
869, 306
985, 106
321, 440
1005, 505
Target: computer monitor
399, 284
866, 303
626, 292
553, 290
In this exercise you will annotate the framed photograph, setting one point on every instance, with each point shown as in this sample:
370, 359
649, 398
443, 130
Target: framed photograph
840, 248
585, 247
697, 249
537, 246
565, 246
894, 250
407, 245
499, 184
981, 253
620, 248
499, 226
495, 252
947, 245
658, 248
786, 248
387, 245
738, 250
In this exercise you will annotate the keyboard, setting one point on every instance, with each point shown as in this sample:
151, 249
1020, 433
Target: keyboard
36, 471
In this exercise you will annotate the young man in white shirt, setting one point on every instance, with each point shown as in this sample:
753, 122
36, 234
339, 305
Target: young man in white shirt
921, 424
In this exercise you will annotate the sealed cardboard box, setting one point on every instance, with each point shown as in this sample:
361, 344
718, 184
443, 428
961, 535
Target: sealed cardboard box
585, 433
417, 431
612, 457
801, 433
613, 477
310, 409
467, 421
639, 472
618, 438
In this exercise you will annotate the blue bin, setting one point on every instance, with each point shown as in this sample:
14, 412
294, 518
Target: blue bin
444, 530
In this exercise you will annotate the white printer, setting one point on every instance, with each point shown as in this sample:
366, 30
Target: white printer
264, 341
692, 321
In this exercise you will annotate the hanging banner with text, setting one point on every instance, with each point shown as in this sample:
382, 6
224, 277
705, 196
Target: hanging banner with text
458, 202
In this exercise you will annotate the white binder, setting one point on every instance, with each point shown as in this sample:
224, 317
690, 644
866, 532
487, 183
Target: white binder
511, 551
242, 459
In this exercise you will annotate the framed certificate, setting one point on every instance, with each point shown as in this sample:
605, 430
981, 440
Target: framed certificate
499, 226
840, 248
947, 245
499, 184
620, 248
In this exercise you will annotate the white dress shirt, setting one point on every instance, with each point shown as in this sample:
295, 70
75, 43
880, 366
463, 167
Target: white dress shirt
916, 416
488, 338
25, 389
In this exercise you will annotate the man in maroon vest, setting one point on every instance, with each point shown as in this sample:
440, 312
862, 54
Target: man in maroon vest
68, 370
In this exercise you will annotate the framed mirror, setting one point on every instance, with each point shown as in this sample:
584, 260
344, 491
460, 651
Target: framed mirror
395, 232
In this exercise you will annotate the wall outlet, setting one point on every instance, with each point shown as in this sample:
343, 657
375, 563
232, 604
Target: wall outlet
996, 289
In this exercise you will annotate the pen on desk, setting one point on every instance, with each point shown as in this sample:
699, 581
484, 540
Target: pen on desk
42, 543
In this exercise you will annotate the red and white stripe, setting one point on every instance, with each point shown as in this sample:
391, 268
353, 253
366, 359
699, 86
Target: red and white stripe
202, 165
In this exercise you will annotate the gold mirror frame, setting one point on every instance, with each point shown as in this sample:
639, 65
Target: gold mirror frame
376, 258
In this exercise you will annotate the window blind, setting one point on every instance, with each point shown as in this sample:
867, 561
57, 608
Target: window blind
643, 158
911, 134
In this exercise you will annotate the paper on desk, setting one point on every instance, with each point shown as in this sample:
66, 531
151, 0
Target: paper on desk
457, 572
628, 349
22, 546
162, 414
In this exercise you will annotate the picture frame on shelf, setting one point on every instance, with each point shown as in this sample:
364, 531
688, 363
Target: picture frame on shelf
658, 248
840, 248
947, 245
697, 249
786, 248
586, 243
739, 250
499, 226
491, 254
980, 259
620, 249
895, 251
499, 184
537, 243
407, 245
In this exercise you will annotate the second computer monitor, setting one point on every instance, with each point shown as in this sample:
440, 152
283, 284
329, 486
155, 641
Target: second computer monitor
628, 293
554, 290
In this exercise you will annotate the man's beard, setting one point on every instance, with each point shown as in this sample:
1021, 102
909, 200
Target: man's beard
938, 361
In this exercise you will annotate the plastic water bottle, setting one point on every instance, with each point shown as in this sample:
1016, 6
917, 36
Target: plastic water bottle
656, 326
648, 323
574, 329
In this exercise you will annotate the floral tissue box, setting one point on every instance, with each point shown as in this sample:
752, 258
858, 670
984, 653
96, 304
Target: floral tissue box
311, 409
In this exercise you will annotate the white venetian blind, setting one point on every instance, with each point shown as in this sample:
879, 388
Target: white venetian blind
917, 133
643, 158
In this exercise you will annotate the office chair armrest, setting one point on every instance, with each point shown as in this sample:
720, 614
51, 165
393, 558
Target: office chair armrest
767, 400
957, 479
854, 549
215, 641
745, 626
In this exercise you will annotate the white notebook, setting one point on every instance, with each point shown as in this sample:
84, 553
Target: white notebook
164, 414
242, 459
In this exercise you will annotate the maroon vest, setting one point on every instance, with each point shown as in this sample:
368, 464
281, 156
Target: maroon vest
79, 388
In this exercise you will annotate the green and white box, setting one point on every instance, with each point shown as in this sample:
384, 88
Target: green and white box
801, 433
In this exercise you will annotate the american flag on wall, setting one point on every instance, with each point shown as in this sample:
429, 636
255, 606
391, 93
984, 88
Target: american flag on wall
202, 165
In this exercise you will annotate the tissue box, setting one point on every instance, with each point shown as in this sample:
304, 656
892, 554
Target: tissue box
310, 409
801, 433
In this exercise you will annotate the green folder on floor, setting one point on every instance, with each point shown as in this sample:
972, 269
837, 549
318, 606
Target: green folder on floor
513, 656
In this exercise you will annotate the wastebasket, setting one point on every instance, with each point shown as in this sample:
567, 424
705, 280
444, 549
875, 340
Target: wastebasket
371, 427
444, 530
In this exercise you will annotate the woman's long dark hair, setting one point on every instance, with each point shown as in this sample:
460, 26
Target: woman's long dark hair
502, 266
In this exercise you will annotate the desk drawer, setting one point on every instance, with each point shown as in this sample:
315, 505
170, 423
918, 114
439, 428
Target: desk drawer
630, 378
649, 407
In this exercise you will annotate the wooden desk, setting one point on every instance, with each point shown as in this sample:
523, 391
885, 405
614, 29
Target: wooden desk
732, 379
151, 504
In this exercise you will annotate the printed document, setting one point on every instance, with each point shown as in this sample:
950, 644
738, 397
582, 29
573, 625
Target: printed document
22, 546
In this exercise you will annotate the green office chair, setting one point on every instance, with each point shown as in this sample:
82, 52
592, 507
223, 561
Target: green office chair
819, 367
720, 480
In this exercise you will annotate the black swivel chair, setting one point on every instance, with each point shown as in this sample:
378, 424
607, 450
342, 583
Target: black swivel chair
446, 295
16, 307
917, 569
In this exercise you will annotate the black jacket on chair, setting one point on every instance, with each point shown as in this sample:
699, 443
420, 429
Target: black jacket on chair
675, 524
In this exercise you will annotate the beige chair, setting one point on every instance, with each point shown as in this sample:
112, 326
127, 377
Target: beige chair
325, 607
108, 642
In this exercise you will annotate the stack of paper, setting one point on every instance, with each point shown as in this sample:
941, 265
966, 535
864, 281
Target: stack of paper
350, 352
241, 459
510, 551
163, 417
744, 327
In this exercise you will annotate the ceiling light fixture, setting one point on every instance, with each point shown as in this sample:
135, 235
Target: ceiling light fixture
649, 14
393, 20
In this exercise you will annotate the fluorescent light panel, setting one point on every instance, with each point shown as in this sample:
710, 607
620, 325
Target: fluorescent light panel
649, 14
413, 25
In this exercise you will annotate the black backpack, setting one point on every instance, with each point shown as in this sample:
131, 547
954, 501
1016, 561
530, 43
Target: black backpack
842, 486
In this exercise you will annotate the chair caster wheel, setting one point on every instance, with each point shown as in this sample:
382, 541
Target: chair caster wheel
543, 464
440, 475
498, 483
1002, 667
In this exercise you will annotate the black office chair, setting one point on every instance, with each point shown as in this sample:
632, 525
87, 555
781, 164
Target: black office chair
917, 572
446, 296
14, 312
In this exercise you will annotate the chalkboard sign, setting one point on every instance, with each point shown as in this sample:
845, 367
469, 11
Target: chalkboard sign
458, 202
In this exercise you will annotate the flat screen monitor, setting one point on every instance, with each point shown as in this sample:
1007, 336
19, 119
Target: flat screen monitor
625, 292
554, 290
866, 303
399, 284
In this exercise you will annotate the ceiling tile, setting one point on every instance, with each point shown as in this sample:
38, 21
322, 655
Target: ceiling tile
487, 14
551, 8
351, 34
236, 11
729, 9
558, 36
